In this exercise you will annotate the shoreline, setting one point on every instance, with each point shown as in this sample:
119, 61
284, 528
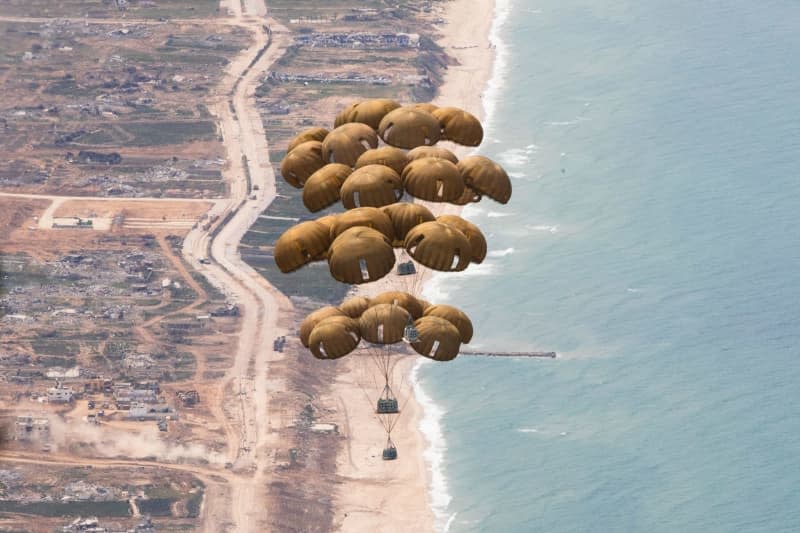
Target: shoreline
377, 495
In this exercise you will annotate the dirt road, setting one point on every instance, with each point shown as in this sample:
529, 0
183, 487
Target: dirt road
247, 378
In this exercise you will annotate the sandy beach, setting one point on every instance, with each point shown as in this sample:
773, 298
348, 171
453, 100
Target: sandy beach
377, 495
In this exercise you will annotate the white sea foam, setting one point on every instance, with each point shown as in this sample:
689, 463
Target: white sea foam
431, 428
517, 175
527, 430
430, 424
515, 157
501, 253
498, 214
449, 522
542, 227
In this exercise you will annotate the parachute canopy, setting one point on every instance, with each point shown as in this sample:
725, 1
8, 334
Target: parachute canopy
408, 127
486, 177
334, 337
355, 306
459, 126
389, 156
301, 162
405, 216
438, 339
433, 179
308, 134
384, 323
438, 246
371, 186
370, 112
314, 318
431, 151
360, 255
401, 299
369, 217
345, 143
321, 189
300, 245
455, 316
477, 242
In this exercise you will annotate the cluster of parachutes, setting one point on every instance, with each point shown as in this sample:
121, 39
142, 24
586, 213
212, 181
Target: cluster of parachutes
347, 163
359, 244
438, 330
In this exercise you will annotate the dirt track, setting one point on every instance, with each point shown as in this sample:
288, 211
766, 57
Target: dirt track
247, 378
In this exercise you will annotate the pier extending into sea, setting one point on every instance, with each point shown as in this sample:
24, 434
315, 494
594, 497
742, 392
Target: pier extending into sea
550, 355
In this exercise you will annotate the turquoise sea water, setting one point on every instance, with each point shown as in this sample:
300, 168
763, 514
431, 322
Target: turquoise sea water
662, 264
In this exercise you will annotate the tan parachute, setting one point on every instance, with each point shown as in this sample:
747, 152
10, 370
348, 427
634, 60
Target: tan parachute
433, 179
407, 127
300, 245
301, 162
347, 142
438, 246
459, 126
308, 134
371, 186
486, 177
322, 188
360, 255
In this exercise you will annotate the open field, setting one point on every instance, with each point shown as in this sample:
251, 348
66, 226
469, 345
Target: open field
104, 109
103, 9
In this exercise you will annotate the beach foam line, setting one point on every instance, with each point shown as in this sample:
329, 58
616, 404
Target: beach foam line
501, 253
430, 422
431, 427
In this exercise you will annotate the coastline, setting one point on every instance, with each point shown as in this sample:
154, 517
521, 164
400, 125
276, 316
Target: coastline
409, 493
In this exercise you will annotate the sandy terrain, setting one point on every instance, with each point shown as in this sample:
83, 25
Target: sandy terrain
394, 495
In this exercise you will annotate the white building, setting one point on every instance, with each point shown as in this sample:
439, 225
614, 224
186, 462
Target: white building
60, 394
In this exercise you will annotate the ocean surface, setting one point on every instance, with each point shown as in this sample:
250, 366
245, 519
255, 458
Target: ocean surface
653, 241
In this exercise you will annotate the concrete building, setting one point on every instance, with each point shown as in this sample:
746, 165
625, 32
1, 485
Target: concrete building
60, 394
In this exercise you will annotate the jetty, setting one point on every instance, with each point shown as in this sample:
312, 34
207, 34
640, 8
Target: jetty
550, 355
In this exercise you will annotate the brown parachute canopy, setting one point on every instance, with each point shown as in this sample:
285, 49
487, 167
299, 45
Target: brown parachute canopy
437, 338
309, 134
344, 115
384, 323
468, 196
486, 177
433, 179
425, 304
301, 162
369, 217
371, 186
405, 216
455, 316
322, 187
438, 246
389, 156
310, 322
425, 106
431, 151
347, 142
459, 126
334, 337
328, 221
370, 112
360, 255
403, 299
477, 242
406, 127
355, 306
300, 245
